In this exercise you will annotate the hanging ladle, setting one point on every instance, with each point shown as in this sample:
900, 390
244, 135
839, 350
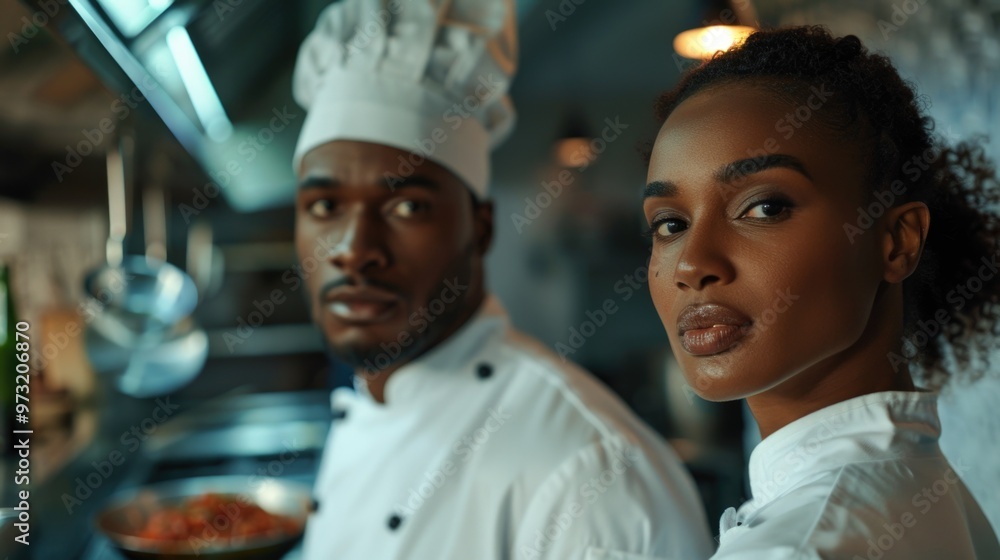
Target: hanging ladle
142, 304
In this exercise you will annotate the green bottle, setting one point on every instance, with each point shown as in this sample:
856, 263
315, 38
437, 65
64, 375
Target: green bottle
8, 360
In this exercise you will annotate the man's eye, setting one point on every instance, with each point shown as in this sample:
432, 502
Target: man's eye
321, 208
408, 208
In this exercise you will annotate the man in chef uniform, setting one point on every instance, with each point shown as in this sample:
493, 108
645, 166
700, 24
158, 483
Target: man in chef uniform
461, 439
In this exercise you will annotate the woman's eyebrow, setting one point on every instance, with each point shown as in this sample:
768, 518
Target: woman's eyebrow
659, 189
739, 169
733, 172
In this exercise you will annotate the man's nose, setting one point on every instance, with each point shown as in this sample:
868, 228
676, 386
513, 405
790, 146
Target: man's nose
360, 246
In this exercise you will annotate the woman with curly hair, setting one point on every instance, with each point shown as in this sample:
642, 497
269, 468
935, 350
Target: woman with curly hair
817, 251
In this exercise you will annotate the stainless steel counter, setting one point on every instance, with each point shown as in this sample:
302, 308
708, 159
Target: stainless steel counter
268, 434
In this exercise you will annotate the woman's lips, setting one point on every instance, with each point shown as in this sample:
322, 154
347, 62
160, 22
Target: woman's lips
711, 328
712, 340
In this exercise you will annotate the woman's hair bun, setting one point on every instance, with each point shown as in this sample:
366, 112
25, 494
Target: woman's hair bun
847, 47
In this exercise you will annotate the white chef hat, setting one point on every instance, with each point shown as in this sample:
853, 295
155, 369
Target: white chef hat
426, 76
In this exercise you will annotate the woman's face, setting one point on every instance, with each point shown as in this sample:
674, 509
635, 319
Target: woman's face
753, 273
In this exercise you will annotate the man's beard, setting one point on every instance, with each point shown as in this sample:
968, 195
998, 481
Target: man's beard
371, 359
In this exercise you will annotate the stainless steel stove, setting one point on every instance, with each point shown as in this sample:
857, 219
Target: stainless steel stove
277, 435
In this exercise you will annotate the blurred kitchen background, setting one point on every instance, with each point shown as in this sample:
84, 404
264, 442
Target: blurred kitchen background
178, 113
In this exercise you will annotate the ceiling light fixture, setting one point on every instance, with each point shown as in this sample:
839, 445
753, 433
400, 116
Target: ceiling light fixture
726, 24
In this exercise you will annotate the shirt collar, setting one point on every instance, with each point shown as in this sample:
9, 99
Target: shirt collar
870, 427
454, 353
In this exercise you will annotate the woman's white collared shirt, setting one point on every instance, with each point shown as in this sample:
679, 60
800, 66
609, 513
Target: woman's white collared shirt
861, 479
490, 447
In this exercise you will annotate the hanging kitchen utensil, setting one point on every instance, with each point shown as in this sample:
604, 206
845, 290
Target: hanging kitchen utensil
141, 331
205, 262
169, 362
141, 294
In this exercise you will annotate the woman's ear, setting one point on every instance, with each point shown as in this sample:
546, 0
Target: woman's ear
903, 239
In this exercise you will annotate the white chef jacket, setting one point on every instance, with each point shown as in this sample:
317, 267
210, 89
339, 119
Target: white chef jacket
490, 447
860, 479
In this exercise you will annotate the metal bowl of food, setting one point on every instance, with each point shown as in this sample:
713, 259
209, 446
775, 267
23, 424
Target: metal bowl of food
221, 517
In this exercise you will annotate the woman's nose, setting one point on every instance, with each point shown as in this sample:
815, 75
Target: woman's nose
703, 260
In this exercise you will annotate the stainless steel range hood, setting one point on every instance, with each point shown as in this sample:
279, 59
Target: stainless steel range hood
217, 74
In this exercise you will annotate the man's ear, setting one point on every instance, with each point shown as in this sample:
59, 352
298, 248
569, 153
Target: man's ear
482, 218
903, 239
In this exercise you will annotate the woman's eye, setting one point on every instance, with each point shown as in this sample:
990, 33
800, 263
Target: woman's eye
767, 209
663, 229
408, 208
321, 208
669, 227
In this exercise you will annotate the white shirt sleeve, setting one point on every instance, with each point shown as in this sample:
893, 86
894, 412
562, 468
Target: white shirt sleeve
610, 502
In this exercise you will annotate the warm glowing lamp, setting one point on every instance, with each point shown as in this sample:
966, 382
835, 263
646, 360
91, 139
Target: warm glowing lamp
703, 42
728, 27
574, 148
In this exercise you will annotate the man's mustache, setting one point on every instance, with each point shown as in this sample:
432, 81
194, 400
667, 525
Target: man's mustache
365, 282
